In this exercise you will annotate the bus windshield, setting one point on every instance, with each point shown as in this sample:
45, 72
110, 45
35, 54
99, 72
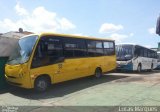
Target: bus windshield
124, 52
24, 51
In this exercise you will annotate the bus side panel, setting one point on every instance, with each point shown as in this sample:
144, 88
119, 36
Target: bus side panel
96, 62
146, 63
84, 66
45, 70
109, 63
155, 63
136, 63
74, 68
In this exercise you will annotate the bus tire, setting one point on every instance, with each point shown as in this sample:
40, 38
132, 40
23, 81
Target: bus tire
98, 72
139, 68
42, 83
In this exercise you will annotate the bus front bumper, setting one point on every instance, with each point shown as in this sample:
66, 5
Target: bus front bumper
127, 67
17, 81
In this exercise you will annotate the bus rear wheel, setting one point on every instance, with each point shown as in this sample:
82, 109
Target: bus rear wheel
139, 68
41, 84
98, 72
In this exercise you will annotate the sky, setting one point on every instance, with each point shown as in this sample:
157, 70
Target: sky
125, 21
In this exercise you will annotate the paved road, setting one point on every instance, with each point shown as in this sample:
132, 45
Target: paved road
112, 89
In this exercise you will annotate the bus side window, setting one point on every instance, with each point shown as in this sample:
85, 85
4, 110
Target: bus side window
95, 48
54, 50
137, 52
145, 53
91, 45
99, 48
149, 54
74, 48
109, 48
48, 51
141, 53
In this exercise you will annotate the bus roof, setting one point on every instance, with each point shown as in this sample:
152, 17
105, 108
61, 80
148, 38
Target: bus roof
135, 45
127, 44
74, 36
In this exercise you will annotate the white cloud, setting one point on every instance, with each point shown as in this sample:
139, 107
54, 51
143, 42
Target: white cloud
152, 31
38, 20
110, 28
66, 24
20, 10
118, 37
148, 46
131, 34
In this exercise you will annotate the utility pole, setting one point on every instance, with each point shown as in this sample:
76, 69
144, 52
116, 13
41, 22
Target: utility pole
158, 26
158, 31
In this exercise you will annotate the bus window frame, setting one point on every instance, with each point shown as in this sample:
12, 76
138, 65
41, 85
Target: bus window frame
75, 39
110, 53
95, 48
63, 58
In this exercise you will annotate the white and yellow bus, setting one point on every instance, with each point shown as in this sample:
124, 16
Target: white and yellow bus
49, 58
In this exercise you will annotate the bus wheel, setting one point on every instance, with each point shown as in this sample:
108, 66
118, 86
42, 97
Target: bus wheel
41, 84
139, 68
98, 72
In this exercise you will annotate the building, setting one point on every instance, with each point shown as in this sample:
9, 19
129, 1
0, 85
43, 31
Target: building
9, 42
16, 34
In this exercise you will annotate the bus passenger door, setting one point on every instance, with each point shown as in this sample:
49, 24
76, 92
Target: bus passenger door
67, 70
63, 70
48, 59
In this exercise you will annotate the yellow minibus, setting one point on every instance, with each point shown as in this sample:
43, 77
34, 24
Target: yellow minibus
49, 58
